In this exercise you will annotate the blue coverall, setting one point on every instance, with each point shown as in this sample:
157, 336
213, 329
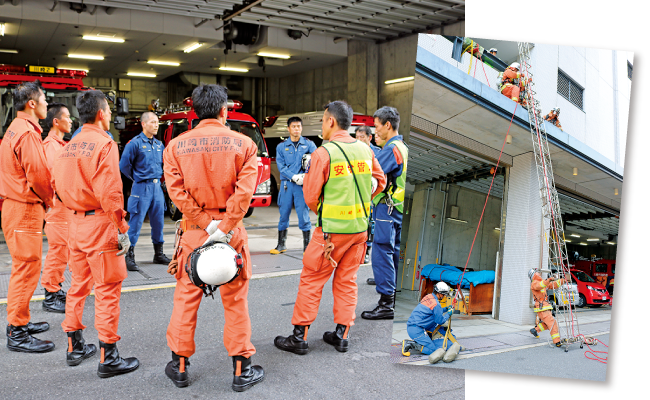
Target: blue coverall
289, 160
79, 130
426, 316
142, 162
388, 228
376, 150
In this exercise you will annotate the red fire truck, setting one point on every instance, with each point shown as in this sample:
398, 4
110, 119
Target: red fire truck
181, 118
60, 85
603, 271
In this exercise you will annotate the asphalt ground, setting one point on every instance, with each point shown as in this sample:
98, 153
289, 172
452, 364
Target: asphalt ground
363, 372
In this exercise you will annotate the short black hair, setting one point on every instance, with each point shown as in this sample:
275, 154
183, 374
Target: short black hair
388, 114
208, 100
53, 111
294, 119
342, 113
25, 92
89, 103
364, 129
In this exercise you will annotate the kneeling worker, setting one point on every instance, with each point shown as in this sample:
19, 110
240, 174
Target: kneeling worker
427, 316
338, 187
211, 175
86, 178
544, 309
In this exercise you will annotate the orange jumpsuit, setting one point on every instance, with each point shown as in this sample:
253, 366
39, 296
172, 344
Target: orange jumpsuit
56, 227
554, 120
349, 249
545, 319
86, 177
211, 174
509, 89
25, 185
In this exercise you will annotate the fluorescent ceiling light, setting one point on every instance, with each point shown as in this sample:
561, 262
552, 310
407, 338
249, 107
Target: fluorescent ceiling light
170, 63
457, 220
2, 28
405, 79
611, 243
233, 69
583, 243
193, 47
592, 240
273, 55
11, 51
567, 240
141, 74
497, 229
103, 39
86, 56
574, 235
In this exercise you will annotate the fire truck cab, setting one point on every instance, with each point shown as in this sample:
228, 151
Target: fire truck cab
180, 118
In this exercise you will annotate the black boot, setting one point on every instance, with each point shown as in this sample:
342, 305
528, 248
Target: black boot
371, 281
282, 240
37, 327
296, 343
19, 339
53, 303
338, 338
111, 364
245, 374
384, 310
305, 240
176, 370
130, 260
61, 293
78, 350
159, 257
534, 332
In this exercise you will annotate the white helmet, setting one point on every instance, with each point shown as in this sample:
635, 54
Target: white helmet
213, 265
442, 288
531, 273
556, 110
493, 49
515, 65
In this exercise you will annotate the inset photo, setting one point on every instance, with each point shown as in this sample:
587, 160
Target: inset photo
511, 215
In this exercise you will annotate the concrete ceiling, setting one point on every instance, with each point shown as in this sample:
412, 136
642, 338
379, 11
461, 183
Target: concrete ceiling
449, 109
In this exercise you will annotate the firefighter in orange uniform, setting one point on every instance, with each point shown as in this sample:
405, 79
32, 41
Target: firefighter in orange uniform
336, 194
543, 309
553, 117
56, 220
510, 86
86, 178
211, 175
25, 186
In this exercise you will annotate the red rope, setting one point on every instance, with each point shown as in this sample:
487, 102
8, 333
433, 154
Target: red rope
486, 78
487, 197
593, 352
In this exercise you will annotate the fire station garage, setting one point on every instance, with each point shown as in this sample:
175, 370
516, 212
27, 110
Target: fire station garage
276, 57
459, 125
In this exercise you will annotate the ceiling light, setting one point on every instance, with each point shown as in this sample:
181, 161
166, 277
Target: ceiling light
103, 39
2, 28
611, 243
457, 220
193, 47
497, 229
574, 235
575, 171
508, 139
233, 69
615, 192
86, 56
11, 51
592, 240
144, 75
405, 79
583, 243
567, 240
170, 63
272, 55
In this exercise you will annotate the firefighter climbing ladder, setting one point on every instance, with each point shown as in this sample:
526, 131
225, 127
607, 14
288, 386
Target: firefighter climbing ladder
566, 318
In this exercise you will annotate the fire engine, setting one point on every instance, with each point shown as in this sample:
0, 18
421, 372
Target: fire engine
60, 86
179, 118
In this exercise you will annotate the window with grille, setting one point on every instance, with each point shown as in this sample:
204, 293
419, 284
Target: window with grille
629, 70
568, 89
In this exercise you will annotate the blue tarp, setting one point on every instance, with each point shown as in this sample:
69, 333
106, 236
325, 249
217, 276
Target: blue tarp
451, 275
